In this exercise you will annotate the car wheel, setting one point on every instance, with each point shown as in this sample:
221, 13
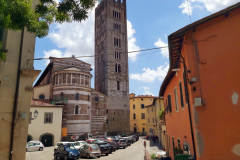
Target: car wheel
55, 156
88, 156
65, 157
40, 149
106, 154
98, 156
124, 147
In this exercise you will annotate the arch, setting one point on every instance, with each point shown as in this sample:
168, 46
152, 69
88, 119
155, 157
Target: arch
116, 68
47, 139
29, 138
119, 68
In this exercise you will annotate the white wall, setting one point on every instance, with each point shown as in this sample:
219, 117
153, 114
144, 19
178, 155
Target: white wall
37, 126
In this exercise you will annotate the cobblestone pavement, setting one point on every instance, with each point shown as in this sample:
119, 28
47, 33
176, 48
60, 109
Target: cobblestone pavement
133, 152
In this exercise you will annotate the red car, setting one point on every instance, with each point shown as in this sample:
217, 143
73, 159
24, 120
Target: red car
89, 141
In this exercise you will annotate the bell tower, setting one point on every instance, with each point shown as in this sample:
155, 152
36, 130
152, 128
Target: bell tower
111, 62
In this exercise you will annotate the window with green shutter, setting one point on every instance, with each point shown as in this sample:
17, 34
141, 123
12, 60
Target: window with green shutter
181, 94
142, 106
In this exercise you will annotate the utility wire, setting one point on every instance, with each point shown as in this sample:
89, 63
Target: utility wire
189, 11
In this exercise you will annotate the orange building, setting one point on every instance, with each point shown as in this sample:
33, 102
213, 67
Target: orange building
201, 89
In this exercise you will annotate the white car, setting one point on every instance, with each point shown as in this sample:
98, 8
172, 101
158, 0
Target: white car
62, 143
82, 143
34, 146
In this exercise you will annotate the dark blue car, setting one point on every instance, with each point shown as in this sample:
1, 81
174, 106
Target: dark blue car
66, 152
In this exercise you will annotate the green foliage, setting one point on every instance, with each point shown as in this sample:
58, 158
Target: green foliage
2, 54
161, 114
153, 156
179, 150
18, 14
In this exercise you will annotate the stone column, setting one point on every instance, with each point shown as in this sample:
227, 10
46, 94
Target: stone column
66, 77
71, 78
58, 79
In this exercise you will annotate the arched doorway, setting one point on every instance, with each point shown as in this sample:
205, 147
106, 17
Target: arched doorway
29, 138
47, 139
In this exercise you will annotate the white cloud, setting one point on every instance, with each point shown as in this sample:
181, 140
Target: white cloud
132, 42
75, 38
187, 6
149, 75
164, 51
52, 53
146, 90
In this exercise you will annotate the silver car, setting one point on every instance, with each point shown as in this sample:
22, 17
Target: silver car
90, 150
34, 146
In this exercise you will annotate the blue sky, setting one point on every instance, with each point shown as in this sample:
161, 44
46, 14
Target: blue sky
149, 24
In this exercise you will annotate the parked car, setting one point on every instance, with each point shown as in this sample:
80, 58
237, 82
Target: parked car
90, 150
89, 141
121, 142
61, 143
114, 145
82, 143
34, 146
103, 147
127, 139
66, 152
77, 144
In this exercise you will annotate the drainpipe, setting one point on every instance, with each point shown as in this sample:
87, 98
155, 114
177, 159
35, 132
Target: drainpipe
189, 107
16, 97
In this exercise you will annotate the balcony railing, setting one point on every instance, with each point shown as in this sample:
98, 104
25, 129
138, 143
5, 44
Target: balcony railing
59, 100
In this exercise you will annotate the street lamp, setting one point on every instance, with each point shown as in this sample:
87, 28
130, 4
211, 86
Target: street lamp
35, 114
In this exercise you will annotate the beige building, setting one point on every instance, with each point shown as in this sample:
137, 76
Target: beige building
47, 127
16, 79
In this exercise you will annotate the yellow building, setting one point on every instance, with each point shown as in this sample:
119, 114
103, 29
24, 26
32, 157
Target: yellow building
138, 112
16, 79
155, 118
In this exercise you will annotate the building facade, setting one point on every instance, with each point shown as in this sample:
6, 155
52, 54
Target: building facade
111, 62
16, 79
201, 89
138, 121
47, 126
67, 82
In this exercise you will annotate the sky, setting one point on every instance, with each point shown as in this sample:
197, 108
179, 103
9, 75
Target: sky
149, 24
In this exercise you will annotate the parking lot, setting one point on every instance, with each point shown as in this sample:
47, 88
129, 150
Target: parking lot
133, 152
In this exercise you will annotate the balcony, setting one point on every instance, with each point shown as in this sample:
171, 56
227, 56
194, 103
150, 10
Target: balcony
59, 100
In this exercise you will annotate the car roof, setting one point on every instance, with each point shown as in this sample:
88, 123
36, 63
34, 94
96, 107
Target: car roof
80, 141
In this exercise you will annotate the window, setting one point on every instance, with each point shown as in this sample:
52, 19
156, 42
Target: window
48, 118
62, 95
134, 106
173, 143
118, 85
185, 87
152, 109
88, 97
117, 42
117, 55
181, 94
116, 14
143, 129
142, 106
134, 116
169, 104
41, 96
76, 109
141, 99
143, 115
148, 120
153, 120
77, 97
176, 99
117, 68
179, 144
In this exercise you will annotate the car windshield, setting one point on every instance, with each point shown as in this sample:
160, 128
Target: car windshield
103, 143
94, 146
76, 144
69, 148
82, 143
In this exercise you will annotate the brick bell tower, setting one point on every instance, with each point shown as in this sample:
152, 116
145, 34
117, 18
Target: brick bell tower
111, 62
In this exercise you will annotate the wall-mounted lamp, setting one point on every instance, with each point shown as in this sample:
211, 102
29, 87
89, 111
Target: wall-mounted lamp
35, 114
176, 70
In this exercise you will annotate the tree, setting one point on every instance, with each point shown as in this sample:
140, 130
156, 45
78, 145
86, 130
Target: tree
36, 18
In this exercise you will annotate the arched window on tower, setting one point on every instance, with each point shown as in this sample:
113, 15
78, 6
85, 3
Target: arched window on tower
76, 109
116, 68
119, 68
119, 42
77, 96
